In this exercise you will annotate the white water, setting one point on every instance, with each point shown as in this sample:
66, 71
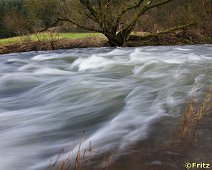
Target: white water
47, 99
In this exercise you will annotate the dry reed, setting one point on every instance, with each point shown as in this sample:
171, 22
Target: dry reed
194, 114
79, 161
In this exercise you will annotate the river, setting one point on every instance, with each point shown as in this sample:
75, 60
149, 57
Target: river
115, 96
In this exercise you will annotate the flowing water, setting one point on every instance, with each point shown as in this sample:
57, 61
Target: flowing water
116, 96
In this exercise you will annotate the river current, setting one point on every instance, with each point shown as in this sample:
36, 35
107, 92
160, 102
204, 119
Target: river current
113, 95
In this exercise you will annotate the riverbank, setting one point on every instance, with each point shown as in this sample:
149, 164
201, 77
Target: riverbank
94, 40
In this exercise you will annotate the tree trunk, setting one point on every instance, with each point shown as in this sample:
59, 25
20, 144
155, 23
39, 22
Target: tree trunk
114, 40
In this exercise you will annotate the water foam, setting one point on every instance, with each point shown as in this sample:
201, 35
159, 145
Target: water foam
43, 57
116, 97
51, 71
92, 62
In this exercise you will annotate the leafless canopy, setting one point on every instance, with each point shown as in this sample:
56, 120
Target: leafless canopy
116, 19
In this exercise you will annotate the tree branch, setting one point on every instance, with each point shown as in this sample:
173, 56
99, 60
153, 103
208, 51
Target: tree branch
147, 6
181, 27
87, 4
159, 4
71, 21
170, 30
124, 11
79, 25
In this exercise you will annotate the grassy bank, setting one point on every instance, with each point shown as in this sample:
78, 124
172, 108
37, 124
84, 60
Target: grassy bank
54, 41
45, 37
51, 41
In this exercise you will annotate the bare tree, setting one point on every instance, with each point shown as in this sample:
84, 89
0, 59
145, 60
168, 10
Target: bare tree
116, 19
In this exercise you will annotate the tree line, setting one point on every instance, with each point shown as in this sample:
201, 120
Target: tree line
116, 19
20, 17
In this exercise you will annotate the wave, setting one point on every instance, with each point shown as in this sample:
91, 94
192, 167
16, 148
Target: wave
114, 95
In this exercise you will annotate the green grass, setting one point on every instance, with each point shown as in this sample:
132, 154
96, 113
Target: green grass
45, 37
78, 35
53, 36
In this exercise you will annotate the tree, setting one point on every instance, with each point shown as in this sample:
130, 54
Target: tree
6, 7
116, 19
20, 17
41, 13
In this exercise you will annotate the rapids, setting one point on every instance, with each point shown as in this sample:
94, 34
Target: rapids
47, 99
